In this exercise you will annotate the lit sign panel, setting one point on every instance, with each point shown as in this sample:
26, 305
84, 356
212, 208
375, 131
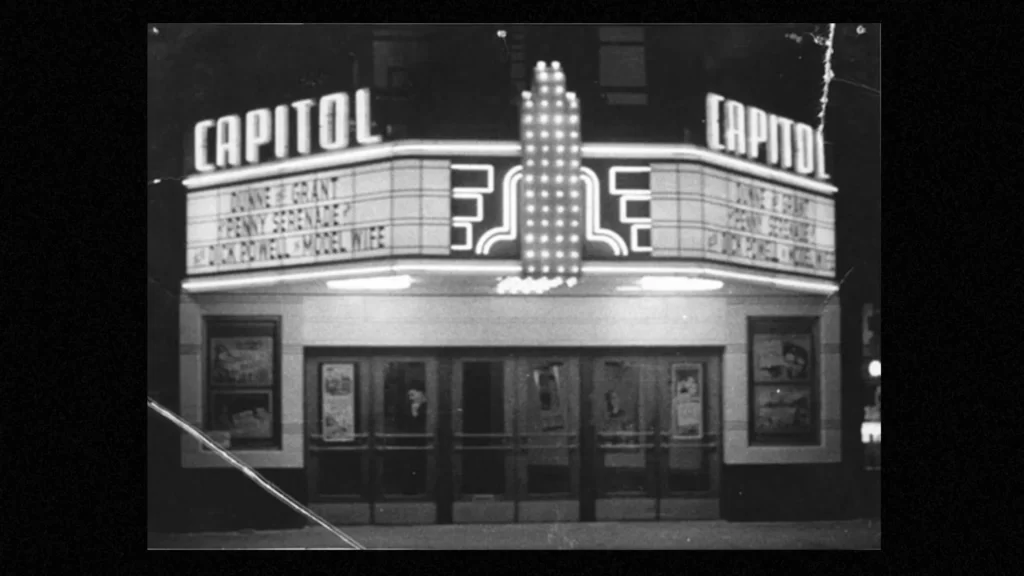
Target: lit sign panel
489, 217
745, 130
552, 221
706, 213
222, 143
549, 201
383, 209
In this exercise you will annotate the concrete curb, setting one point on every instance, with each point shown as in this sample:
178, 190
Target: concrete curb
857, 535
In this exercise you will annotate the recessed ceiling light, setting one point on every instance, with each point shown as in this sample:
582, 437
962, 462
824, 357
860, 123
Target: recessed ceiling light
678, 284
376, 283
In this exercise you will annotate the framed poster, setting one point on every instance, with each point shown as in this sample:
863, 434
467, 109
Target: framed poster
243, 380
337, 402
242, 362
618, 415
245, 415
687, 401
783, 409
782, 357
548, 381
783, 381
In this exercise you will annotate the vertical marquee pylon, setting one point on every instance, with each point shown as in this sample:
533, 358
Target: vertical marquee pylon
550, 205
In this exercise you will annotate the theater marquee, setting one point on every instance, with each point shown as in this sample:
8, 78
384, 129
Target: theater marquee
706, 213
756, 198
381, 209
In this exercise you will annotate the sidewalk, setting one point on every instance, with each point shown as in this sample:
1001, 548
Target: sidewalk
717, 535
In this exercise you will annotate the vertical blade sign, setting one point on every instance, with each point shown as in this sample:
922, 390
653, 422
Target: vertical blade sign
550, 203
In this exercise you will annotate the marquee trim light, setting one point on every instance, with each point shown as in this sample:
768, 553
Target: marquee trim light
784, 283
508, 230
673, 284
341, 158
500, 149
627, 195
264, 279
471, 193
519, 285
510, 267
552, 157
593, 225
372, 283
691, 153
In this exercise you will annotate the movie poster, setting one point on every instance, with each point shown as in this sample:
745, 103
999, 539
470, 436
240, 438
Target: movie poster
242, 362
687, 401
782, 358
337, 393
619, 408
548, 381
244, 415
783, 409
546, 413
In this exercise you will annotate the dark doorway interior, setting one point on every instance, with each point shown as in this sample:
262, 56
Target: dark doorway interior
483, 471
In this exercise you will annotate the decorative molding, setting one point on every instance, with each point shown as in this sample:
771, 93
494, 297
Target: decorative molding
471, 193
681, 153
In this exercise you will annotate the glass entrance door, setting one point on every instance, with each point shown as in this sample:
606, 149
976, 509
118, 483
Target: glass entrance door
404, 440
656, 441
624, 413
483, 406
547, 438
337, 423
690, 447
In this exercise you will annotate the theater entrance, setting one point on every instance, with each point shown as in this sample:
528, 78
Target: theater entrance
656, 449
515, 439
512, 436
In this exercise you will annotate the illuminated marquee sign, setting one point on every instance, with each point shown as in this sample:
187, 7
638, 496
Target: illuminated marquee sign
549, 201
642, 210
743, 130
384, 209
489, 217
552, 222
706, 213
230, 144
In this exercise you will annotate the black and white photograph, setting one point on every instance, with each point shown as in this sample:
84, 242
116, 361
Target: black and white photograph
507, 286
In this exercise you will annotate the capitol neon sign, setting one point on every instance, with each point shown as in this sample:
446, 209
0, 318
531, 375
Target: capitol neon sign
265, 129
743, 130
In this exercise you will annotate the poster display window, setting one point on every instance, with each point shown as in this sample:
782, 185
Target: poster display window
338, 402
243, 382
783, 381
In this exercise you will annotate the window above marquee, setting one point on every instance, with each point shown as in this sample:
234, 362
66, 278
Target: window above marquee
622, 65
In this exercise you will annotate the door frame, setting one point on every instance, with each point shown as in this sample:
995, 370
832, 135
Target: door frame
471, 508
649, 398
442, 365
408, 509
704, 504
340, 508
666, 504
557, 507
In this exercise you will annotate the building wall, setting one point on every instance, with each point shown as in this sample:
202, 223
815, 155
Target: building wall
409, 321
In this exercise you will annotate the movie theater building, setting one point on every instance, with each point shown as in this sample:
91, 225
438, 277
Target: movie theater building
542, 329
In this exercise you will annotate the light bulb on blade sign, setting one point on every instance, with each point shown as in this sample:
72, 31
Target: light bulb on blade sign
875, 369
